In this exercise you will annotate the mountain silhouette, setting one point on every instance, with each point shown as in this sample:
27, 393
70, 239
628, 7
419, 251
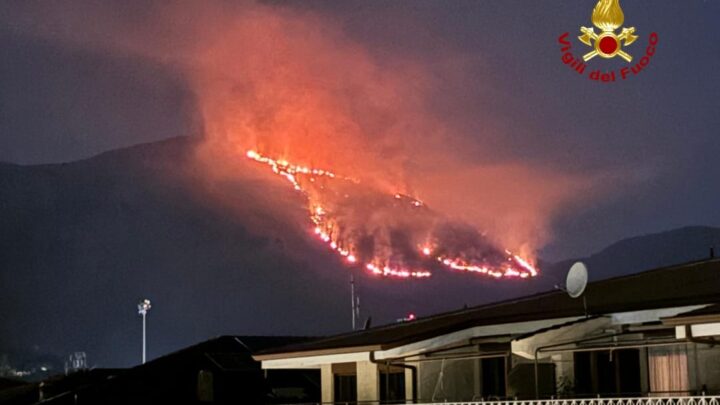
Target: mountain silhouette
82, 242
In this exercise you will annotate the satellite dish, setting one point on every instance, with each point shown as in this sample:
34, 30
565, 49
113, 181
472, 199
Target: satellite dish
577, 279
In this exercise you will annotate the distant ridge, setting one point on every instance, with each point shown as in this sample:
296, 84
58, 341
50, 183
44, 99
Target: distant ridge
639, 253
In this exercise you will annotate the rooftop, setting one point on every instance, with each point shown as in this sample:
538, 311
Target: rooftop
686, 284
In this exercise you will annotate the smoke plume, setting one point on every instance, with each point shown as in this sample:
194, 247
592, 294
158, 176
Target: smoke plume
292, 85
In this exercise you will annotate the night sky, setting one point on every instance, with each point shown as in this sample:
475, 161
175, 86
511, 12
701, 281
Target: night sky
650, 143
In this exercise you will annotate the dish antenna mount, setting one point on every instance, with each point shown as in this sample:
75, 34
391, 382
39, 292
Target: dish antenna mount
576, 282
577, 279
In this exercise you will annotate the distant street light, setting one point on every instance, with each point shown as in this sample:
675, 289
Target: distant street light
143, 308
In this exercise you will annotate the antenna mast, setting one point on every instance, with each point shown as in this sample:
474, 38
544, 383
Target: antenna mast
354, 302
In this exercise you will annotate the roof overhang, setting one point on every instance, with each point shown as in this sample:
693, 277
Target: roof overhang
317, 353
316, 358
703, 322
527, 346
531, 346
691, 318
651, 315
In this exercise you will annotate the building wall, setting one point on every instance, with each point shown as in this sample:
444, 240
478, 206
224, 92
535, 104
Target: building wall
368, 381
644, 372
327, 391
703, 369
704, 363
564, 373
409, 382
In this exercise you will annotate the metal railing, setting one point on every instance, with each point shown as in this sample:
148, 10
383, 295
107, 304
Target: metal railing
660, 400
648, 400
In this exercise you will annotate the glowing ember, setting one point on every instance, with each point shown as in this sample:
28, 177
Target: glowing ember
388, 252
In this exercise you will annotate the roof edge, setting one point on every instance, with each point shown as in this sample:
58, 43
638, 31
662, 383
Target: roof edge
318, 352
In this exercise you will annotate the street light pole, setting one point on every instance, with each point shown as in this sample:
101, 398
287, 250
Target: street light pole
144, 342
143, 308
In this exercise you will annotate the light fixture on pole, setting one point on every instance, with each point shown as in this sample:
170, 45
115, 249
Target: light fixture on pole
143, 308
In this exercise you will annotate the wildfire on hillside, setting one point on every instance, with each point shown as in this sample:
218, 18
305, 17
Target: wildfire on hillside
412, 241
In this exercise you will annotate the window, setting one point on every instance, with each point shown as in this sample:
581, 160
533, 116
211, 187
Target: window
493, 377
668, 370
607, 372
345, 387
392, 386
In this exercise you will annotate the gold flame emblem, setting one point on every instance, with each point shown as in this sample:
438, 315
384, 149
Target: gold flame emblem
608, 17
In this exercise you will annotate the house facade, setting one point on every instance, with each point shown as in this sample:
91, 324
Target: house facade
650, 335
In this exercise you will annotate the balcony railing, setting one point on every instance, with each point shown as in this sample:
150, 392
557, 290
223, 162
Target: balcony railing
660, 400
649, 400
